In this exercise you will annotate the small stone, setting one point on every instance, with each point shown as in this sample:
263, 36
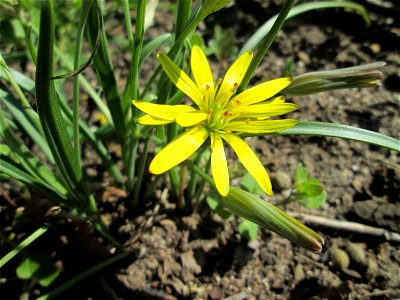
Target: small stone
356, 253
375, 47
282, 181
339, 258
299, 273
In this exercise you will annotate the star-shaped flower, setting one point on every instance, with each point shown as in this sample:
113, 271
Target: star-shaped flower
218, 113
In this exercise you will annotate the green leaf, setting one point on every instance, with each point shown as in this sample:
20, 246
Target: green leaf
27, 268
248, 230
300, 9
301, 175
342, 131
312, 201
214, 201
38, 267
309, 191
249, 184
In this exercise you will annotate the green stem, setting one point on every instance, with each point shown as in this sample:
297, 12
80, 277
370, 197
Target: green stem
70, 283
26, 242
75, 88
143, 161
133, 88
265, 44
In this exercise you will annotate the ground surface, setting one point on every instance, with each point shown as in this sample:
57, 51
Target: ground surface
200, 256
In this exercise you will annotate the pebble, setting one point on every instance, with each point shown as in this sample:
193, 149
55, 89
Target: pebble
339, 258
356, 253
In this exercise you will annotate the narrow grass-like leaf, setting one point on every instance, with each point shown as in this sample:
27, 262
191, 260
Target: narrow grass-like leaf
105, 70
343, 131
265, 43
81, 276
50, 115
131, 93
20, 115
86, 5
16, 172
30, 162
152, 45
300, 9
21, 246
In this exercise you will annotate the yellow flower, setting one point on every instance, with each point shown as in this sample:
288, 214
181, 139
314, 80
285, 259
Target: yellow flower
217, 114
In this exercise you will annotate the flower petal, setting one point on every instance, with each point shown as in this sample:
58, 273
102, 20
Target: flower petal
162, 111
190, 118
234, 76
179, 149
260, 127
264, 110
218, 165
150, 120
180, 79
260, 92
250, 161
201, 69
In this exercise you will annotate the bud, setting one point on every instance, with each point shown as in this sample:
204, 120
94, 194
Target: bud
211, 6
263, 213
322, 81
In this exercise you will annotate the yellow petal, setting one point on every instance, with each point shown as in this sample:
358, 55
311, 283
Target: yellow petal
260, 92
234, 76
263, 110
201, 69
190, 118
218, 165
162, 111
180, 79
250, 161
179, 149
260, 127
150, 120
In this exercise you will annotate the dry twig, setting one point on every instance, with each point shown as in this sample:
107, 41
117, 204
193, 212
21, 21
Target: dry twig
348, 226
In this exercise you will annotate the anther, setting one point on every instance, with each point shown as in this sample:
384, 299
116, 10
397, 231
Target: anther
238, 102
226, 114
207, 86
228, 131
247, 121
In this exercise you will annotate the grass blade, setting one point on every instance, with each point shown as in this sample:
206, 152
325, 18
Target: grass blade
25, 243
50, 115
343, 131
298, 10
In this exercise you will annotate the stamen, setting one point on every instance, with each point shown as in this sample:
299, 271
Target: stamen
228, 131
226, 114
238, 102
247, 121
207, 86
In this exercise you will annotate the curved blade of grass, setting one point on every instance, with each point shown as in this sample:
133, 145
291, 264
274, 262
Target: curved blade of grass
28, 85
265, 43
105, 70
96, 144
19, 114
15, 171
152, 45
50, 115
300, 9
70, 283
25, 243
343, 131
30, 162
